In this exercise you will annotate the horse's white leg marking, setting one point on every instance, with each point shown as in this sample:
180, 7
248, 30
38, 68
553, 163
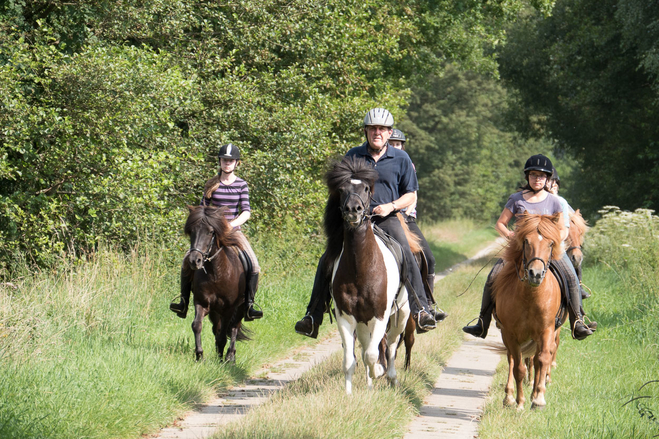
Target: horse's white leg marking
347, 325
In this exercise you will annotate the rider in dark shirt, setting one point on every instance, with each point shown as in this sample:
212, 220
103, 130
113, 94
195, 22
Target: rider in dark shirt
395, 189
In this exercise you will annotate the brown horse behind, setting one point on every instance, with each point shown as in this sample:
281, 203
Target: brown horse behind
527, 299
575, 240
219, 280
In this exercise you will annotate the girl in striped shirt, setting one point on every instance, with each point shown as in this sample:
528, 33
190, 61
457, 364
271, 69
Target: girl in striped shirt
227, 190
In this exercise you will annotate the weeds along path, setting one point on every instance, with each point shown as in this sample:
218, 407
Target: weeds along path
451, 410
238, 400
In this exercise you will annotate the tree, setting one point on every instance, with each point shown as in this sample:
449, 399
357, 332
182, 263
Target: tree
586, 76
467, 160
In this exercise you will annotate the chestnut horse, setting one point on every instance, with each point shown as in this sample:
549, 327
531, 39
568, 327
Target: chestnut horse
219, 280
574, 242
527, 299
369, 299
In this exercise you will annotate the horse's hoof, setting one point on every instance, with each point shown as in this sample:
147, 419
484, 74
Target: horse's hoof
520, 408
199, 357
509, 401
538, 407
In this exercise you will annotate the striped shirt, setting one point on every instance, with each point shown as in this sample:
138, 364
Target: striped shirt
235, 196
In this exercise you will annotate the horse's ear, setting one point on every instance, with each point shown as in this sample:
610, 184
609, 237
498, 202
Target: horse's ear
191, 208
556, 217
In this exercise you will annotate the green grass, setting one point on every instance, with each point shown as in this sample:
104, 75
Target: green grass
455, 241
597, 378
90, 350
316, 404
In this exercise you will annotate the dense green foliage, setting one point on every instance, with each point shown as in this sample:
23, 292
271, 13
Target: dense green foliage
111, 113
587, 76
605, 386
468, 162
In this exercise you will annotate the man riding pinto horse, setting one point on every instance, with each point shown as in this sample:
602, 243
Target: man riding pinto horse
395, 189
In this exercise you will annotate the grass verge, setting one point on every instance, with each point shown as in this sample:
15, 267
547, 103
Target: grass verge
605, 386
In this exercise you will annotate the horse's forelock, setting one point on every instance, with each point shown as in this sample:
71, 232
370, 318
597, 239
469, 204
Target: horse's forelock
214, 217
526, 223
350, 168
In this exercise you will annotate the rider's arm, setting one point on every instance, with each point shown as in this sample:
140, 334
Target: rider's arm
502, 224
240, 219
404, 201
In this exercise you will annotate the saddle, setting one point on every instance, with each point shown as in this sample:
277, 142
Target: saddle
396, 249
562, 282
244, 259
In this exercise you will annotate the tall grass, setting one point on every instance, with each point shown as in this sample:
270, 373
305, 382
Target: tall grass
91, 350
604, 386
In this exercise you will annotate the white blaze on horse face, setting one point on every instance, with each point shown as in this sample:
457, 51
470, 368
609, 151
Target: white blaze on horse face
539, 237
355, 181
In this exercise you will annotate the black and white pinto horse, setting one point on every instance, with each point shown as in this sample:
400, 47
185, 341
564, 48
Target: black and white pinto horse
368, 296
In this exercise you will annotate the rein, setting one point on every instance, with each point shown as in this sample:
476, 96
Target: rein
574, 247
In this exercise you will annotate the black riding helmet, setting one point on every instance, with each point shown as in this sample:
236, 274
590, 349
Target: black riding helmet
555, 177
229, 151
540, 163
397, 134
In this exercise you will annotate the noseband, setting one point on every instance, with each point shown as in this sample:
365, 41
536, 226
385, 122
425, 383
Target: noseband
525, 263
205, 254
344, 214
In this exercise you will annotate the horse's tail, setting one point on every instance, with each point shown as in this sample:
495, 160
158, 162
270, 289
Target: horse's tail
243, 334
528, 348
412, 239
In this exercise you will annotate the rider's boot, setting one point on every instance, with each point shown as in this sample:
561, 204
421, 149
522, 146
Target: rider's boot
424, 321
250, 293
436, 311
484, 318
579, 328
181, 307
320, 293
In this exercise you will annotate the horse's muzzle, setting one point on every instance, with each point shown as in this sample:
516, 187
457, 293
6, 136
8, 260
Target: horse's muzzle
196, 260
535, 276
354, 219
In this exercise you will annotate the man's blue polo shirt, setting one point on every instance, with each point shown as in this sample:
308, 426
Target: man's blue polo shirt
397, 176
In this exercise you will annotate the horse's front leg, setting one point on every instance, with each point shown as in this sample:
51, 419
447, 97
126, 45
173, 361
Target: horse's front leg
542, 363
509, 399
346, 330
231, 352
217, 328
520, 372
397, 325
199, 314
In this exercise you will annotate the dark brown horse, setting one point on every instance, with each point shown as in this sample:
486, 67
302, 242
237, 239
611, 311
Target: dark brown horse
219, 279
369, 299
527, 299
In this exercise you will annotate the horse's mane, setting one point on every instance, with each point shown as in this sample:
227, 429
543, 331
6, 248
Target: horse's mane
578, 228
546, 225
214, 217
340, 173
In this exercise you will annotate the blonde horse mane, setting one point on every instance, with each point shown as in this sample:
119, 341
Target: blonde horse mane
545, 225
578, 228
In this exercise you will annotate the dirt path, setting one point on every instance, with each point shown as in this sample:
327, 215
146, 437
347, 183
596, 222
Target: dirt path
452, 409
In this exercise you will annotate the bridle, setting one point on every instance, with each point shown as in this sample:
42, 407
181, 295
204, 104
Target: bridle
364, 216
525, 263
205, 254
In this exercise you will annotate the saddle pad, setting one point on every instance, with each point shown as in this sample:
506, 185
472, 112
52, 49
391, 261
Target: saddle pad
395, 248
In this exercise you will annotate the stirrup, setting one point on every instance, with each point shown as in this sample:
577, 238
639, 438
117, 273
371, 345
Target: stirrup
249, 318
313, 325
580, 320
